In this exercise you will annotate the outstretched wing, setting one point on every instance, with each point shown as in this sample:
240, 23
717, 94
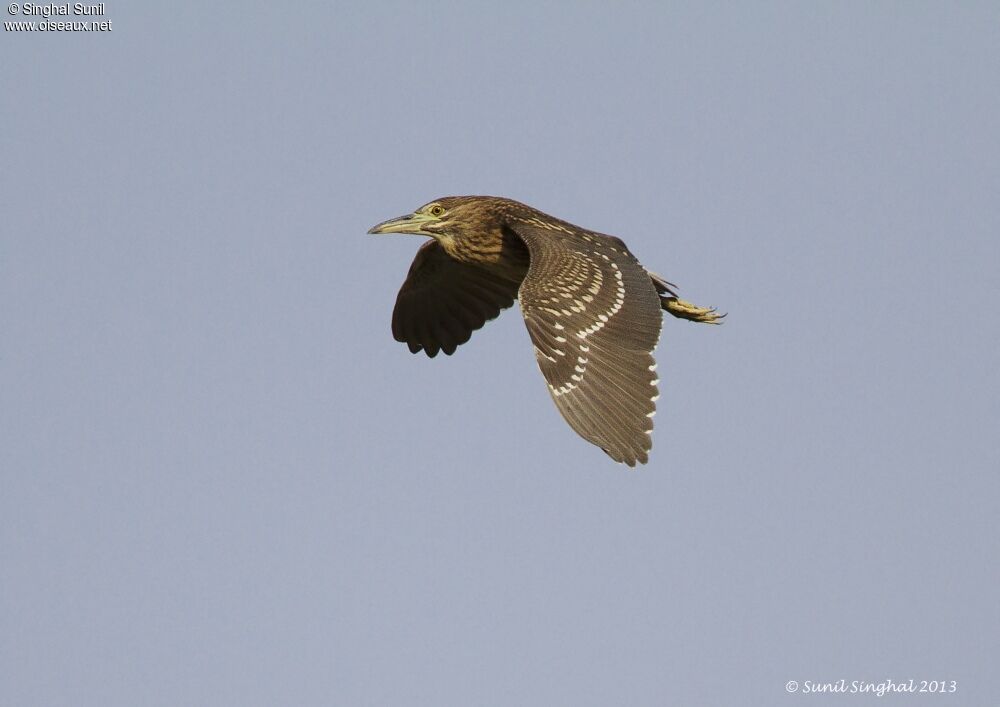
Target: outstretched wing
443, 301
594, 317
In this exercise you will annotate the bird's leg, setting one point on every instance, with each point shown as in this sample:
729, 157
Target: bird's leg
685, 310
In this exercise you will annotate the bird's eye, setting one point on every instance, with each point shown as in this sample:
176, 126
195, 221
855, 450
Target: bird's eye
437, 210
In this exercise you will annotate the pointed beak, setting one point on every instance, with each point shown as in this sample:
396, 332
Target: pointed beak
411, 223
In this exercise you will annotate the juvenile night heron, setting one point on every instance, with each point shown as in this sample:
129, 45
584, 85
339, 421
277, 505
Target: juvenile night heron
592, 311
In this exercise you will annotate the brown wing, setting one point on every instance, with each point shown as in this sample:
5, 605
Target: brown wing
443, 301
594, 317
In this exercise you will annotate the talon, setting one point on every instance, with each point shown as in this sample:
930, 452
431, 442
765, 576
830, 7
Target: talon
687, 310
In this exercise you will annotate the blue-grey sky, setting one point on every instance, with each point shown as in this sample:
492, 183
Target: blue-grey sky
224, 483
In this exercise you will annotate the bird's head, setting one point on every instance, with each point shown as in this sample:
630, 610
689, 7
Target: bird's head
449, 218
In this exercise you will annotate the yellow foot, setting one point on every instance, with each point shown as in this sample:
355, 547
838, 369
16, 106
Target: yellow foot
686, 310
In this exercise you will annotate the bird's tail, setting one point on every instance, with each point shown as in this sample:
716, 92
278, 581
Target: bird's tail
678, 307
663, 287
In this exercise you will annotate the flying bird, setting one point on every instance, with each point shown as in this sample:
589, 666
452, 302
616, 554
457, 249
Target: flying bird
592, 311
